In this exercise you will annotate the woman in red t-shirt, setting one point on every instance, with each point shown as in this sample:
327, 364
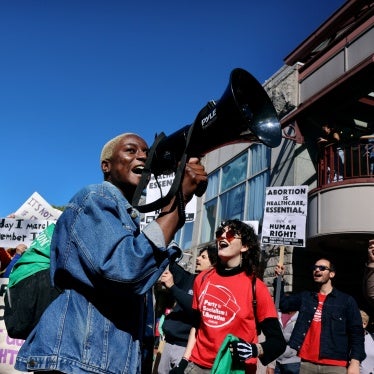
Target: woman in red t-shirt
223, 303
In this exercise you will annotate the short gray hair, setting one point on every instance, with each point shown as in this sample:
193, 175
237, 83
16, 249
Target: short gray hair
107, 151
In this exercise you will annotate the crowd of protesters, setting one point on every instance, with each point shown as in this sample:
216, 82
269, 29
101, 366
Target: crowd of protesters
107, 267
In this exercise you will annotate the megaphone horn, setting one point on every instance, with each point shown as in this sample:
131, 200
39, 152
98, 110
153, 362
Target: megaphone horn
244, 113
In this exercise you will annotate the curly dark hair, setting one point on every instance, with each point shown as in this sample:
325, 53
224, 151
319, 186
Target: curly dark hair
212, 253
250, 258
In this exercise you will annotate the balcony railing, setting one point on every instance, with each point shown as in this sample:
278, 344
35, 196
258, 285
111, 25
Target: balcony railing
342, 162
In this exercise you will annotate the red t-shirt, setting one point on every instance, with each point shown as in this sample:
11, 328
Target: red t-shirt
225, 305
310, 349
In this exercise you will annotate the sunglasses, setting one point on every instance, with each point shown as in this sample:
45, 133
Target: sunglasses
230, 234
320, 267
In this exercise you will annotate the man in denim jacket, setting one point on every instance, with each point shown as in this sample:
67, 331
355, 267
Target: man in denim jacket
328, 334
106, 267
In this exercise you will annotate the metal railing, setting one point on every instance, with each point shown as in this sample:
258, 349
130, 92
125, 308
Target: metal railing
341, 162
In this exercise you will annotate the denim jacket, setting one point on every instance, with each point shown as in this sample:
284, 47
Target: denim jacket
105, 265
342, 335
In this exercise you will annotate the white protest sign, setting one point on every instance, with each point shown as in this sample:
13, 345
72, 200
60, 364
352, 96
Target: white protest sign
285, 215
14, 231
35, 207
157, 190
9, 347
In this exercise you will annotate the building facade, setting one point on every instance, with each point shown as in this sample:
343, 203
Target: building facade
328, 78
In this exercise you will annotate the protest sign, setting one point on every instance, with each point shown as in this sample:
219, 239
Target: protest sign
14, 231
160, 188
35, 207
285, 215
9, 347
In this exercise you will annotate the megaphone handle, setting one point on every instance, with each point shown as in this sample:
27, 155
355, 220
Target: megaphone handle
163, 201
201, 188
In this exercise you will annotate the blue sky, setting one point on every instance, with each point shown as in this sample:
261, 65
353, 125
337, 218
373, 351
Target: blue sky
74, 74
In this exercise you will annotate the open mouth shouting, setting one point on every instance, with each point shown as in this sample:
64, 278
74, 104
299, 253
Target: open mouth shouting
222, 244
138, 169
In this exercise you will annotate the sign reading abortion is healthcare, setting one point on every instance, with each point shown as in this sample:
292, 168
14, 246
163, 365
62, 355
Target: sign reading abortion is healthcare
285, 215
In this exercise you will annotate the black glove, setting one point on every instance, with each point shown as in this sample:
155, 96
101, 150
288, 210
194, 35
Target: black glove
180, 368
242, 350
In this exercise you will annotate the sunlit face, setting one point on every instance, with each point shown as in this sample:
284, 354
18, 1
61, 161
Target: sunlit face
229, 245
322, 272
203, 262
125, 167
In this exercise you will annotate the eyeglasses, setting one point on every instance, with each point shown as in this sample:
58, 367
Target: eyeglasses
320, 267
230, 234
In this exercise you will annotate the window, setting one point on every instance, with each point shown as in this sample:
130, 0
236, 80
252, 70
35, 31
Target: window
234, 172
236, 190
209, 220
184, 236
232, 203
256, 196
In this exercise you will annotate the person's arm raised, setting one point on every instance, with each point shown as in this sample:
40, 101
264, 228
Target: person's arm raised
169, 219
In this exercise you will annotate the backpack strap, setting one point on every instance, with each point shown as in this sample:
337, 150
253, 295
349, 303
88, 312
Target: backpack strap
205, 275
254, 304
176, 184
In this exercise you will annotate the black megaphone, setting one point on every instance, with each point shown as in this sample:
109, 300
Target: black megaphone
244, 113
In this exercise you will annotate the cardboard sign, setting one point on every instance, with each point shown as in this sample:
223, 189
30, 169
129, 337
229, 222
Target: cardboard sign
14, 231
285, 215
35, 207
159, 188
